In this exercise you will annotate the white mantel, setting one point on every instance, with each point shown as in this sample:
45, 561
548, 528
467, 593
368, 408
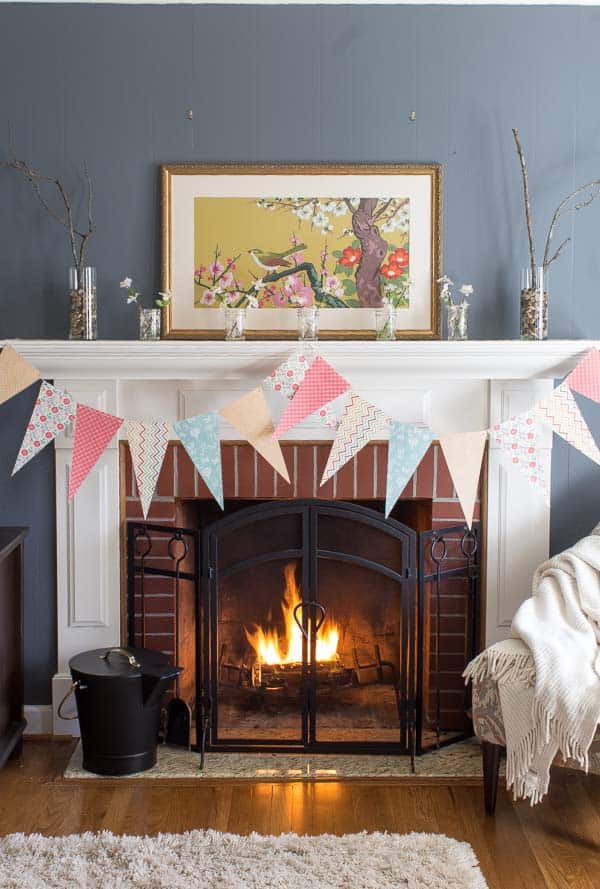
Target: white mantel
448, 386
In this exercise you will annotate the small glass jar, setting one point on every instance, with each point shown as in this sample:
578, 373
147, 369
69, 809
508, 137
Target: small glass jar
385, 323
235, 324
149, 324
458, 321
82, 297
308, 323
533, 306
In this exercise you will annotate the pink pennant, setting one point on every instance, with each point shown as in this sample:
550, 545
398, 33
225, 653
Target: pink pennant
585, 379
93, 431
321, 385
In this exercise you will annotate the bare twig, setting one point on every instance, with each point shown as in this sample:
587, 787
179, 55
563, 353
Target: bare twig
527, 203
36, 179
593, 191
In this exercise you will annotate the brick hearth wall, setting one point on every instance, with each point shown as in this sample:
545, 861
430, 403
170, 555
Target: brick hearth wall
246, 475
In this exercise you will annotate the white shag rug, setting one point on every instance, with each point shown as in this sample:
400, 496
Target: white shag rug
214, 860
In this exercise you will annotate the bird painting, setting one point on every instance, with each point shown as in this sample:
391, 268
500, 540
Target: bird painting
270, 261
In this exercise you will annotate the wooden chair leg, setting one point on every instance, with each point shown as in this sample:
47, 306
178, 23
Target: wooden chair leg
491, 768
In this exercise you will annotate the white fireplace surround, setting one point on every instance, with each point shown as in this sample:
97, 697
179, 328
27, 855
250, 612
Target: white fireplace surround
447, 386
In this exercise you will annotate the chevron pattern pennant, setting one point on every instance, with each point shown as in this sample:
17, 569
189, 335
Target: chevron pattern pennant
361, 421
200, 437
53, 413
561, 413
406, 449
518, 440
16, 374
585, 379
148, 440
287, 378
93, 431
321, 384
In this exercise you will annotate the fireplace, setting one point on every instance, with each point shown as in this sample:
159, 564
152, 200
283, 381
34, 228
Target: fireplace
312, 624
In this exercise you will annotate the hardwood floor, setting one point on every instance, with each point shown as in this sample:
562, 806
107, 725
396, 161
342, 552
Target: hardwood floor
556, 844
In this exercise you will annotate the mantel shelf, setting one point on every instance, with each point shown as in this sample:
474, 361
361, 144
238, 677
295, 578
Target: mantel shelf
185, 359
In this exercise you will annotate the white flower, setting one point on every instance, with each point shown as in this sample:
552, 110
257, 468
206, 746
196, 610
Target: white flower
321, 220
259, 284
132, 297
466, 289
252, 302
446, 281
340, 209
126, 283
304, 212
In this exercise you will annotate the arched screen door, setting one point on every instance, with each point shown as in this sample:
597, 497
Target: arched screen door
308, 636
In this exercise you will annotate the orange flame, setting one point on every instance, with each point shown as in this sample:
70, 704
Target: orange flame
270, 649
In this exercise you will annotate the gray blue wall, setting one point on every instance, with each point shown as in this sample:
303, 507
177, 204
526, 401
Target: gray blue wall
112, 84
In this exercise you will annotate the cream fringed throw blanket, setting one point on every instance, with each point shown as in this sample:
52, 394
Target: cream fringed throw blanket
555, 647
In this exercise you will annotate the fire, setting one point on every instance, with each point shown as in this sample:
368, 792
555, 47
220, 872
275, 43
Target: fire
271, 649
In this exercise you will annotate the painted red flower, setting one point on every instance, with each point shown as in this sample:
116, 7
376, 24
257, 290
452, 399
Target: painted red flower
400, 257
350, 256
391, 270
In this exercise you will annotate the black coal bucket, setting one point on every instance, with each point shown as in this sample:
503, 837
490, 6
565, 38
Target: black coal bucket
118, 693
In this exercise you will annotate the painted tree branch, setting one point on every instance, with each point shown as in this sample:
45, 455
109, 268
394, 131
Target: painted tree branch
315, 282
78, 239
527, 203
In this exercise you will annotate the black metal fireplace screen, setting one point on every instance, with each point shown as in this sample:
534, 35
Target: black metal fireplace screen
312, 625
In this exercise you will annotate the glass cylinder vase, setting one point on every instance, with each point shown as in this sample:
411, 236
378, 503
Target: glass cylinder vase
82, 298
458, 321
149, 324
235, 324
385, 323
533, 306
308, 323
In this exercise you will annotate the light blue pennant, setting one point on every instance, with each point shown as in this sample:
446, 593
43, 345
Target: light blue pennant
406, 449
200, 437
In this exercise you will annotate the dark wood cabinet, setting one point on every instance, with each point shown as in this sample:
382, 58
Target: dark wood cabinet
12, 722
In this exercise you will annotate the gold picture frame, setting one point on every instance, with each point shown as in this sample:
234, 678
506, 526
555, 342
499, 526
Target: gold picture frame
187, 189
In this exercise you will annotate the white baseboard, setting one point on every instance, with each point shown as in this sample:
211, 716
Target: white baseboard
39, 719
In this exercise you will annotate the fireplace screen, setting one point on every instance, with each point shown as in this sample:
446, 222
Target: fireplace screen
324, 626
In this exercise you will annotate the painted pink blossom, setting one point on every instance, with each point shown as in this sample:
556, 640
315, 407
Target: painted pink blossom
209, 298
200, 271
215, 268
292, 284
226, 279
280, 298
297, 258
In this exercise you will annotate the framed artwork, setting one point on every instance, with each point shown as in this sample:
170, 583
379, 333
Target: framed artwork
349, 239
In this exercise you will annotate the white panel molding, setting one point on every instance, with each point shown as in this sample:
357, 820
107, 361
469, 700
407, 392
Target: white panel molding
39, 719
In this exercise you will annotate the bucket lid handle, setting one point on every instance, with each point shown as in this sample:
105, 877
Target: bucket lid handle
133, 662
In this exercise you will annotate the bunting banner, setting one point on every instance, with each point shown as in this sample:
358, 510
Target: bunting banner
407, 446
287, 378
16, 374
148, 440
53, 412
199, 435
560, 411
93, 431
361, 421
463, 452
251, 416
321, 384
518, 439
585, 379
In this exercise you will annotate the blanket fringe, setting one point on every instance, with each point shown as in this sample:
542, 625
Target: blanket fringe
501, 666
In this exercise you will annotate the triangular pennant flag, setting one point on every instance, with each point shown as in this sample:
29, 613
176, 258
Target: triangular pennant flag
148, 440
463, 452
518, 440
93, 431
321, 384
585, 378
53, 412
361, 421
199, 435
16, 374
407, 446
560, 411
287, 378
251, 416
